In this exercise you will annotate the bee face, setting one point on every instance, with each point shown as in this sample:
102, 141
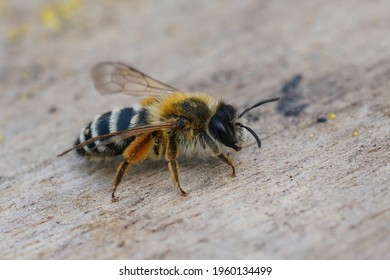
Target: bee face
222, 127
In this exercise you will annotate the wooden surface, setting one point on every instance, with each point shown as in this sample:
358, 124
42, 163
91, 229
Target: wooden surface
313, 191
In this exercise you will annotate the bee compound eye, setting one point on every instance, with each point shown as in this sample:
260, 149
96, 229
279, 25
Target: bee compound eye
223, 131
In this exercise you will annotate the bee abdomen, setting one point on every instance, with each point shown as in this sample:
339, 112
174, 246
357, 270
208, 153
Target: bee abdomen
116, 120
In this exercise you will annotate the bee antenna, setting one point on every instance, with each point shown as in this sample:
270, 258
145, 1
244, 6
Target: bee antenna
251, 131
257, 105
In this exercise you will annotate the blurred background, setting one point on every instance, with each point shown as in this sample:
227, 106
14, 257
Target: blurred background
225, 47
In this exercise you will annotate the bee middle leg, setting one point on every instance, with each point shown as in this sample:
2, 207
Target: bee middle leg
171, 156
135, 153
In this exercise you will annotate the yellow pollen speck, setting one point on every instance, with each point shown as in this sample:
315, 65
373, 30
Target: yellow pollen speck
1, 137
68, 8
17, 33
50, 18
355, 133
332, 116
55, 16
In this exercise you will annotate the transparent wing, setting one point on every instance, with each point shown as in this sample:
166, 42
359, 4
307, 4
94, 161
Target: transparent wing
124, 134
116, 77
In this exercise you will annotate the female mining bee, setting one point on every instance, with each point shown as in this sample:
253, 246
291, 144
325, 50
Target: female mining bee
167, 123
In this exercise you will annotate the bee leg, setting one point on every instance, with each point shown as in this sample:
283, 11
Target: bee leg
173, 165
135, 153
174, 169
214, 148
226, 159
120, 172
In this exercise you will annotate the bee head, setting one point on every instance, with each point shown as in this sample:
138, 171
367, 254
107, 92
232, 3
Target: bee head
225, 128
222, 127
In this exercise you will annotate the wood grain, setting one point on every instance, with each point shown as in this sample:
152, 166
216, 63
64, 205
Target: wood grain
313, 191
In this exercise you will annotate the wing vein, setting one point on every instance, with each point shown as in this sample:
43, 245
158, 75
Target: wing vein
116, 77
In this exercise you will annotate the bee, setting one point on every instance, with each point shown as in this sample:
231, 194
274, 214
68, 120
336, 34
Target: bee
167, 123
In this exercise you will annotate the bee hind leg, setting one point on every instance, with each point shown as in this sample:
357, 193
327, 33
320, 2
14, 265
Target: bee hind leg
135, 153
120, 172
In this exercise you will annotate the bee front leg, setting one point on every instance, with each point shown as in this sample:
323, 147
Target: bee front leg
135, 153
171, 156
226, 159
214, 148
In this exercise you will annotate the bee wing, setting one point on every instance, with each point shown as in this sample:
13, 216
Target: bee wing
116, 77
124, 134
